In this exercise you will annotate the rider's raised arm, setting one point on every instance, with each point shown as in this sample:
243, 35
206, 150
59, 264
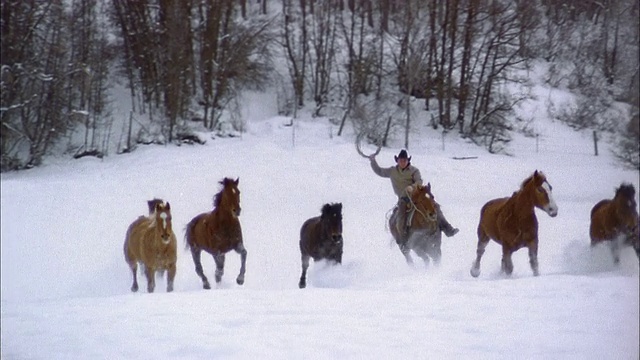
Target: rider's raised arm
384, 172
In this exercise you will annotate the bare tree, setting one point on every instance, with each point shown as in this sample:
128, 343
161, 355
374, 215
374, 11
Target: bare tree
33, 80
465, 65
88, 70
295, 35
497, 54
322, 58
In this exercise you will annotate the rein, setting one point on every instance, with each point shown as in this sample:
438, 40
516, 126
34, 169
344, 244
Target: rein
414, 207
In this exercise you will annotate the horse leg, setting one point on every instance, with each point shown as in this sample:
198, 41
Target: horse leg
303, 278
243, 260
436, 254
423, 255
195, 253
483, 240
615, 250
134, 269
507, 263
151, 278
170, 276
219, 259
533, 257
406, 251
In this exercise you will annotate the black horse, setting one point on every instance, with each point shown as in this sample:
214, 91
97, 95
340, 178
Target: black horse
321, 238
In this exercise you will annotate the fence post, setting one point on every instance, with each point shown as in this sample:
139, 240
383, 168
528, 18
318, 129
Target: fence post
595, 142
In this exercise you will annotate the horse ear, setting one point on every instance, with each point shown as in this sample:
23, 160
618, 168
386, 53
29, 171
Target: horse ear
325, 209
168, 207
237, 181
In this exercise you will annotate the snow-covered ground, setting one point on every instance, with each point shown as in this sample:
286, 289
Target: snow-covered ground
65, 284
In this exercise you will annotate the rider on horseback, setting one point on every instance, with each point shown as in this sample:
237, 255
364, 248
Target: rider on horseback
404, 178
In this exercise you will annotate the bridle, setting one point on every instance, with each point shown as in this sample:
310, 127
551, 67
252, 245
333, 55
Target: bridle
415, 207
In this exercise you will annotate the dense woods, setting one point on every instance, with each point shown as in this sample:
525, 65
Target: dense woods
184, 64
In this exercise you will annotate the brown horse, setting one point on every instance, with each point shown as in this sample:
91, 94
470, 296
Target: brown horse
616, 221
512, 222
218, 232
424, 236
151, 242
321, 238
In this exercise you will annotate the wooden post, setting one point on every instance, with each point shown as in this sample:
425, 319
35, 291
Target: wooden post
595, 142
129, 131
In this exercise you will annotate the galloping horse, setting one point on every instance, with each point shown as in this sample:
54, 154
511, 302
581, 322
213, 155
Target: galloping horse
218, 232
424, 235
616, 220
321, 238
151, 242
512, 222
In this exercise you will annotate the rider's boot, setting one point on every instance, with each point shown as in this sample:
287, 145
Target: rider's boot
446, 228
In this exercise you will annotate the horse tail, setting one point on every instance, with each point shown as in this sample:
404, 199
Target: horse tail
188, 234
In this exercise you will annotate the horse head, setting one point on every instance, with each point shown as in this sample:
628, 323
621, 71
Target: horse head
538, 185
229, 197
162, 218
625, 207
331, 219
422, 199
152, 205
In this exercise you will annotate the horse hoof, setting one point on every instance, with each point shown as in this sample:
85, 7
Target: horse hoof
206, 286
134, 288
302, 285
475, 272
240, 281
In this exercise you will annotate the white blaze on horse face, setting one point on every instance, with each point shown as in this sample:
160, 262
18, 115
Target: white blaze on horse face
551, 208
163, 216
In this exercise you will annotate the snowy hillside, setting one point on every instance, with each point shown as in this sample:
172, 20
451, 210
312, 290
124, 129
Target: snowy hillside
65, 284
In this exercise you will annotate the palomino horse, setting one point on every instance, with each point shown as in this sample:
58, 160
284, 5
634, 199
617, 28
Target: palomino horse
151, 242
616, 221
321, 238
424, 236
218, 232
512, 222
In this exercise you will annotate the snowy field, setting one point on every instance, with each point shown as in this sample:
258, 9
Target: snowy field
65, 285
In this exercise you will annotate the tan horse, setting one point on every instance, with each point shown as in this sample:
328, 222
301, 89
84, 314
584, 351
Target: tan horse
424, 236
616, 221
512, 222
150, 241
218, 232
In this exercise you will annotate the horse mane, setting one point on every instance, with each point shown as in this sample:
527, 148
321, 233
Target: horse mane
530, 178
626, 190
152, 205
217, 198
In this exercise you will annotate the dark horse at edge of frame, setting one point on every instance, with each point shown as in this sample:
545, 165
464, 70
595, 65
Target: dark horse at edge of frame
616, 221
321, 239
512, 222
218, 232
424, 236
